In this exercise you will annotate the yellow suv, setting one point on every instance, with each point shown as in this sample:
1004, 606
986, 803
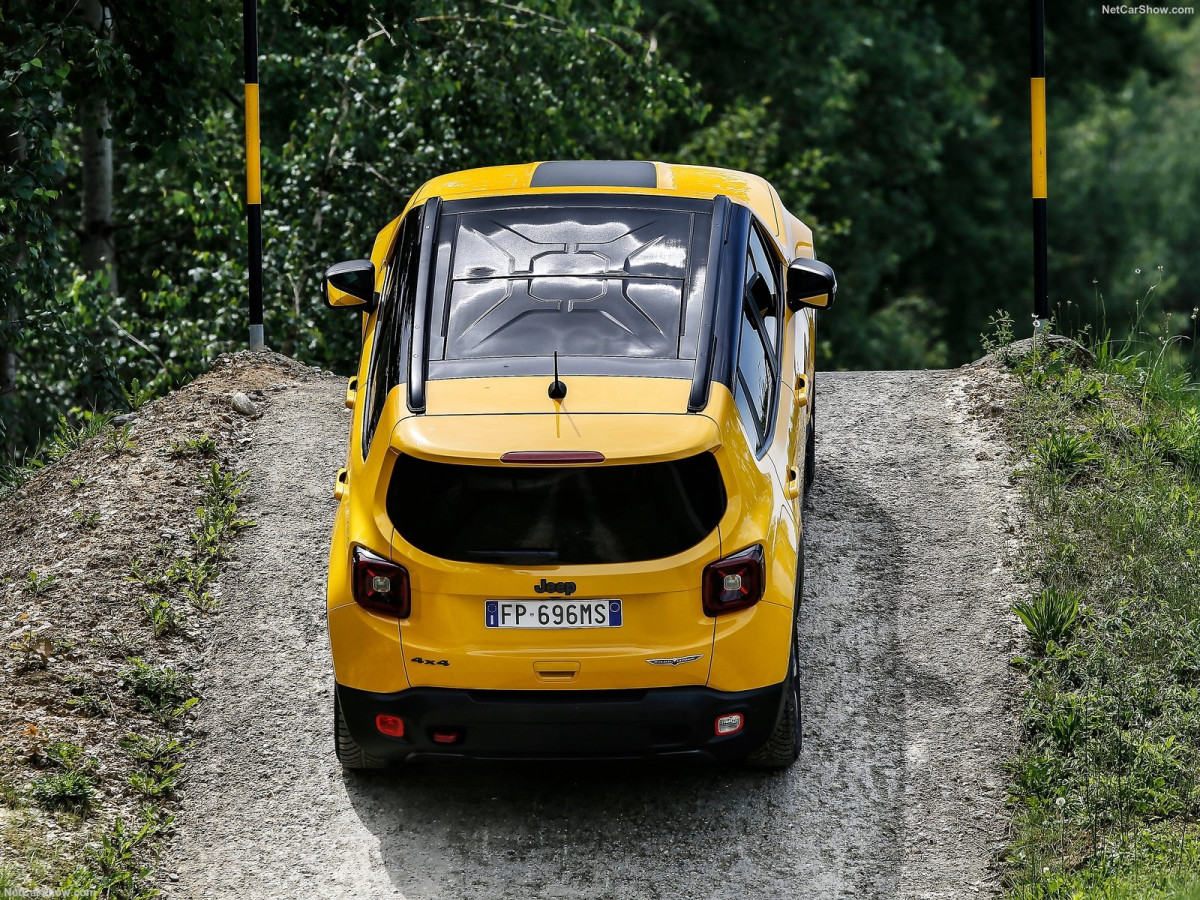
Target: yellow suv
570, 519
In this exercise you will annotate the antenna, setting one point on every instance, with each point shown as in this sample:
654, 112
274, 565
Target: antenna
558, 390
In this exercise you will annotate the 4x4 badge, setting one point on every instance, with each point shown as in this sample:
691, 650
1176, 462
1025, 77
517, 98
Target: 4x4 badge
673, 660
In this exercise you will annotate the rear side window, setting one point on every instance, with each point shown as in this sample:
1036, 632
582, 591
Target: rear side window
556, 515
393, 328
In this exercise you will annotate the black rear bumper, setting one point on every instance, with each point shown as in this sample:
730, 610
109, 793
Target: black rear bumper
562, 724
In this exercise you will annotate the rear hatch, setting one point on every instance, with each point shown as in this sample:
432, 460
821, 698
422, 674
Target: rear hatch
584, 576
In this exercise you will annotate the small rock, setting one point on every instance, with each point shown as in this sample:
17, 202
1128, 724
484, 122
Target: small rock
123, 419
983, 455
244, 405
174, 876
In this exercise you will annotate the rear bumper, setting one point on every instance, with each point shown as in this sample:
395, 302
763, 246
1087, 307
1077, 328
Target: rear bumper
562, 724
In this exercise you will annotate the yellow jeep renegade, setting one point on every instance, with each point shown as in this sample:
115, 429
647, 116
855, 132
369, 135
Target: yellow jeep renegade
570, 519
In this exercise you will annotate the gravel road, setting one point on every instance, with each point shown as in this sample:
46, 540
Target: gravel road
908, 703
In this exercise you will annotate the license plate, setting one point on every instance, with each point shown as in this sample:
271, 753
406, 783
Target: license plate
552, 613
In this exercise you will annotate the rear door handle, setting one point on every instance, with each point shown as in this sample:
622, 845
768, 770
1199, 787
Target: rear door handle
341, 484
351, 392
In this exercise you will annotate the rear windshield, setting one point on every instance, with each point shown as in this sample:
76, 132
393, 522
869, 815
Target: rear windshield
588, 279
513, 515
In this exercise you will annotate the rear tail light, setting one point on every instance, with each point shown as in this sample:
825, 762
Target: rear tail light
734, 582
380, 584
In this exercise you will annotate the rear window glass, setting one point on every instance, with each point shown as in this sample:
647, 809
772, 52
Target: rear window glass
515, 515
585, 281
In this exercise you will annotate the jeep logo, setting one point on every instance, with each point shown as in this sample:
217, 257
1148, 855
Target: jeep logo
555, 587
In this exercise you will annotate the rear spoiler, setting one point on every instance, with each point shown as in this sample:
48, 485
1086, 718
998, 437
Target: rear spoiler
620, 439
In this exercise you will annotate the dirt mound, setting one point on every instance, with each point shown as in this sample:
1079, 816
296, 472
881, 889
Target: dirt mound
101, 643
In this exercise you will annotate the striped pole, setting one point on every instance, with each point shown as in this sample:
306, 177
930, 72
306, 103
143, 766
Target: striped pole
253, 178
1037, 105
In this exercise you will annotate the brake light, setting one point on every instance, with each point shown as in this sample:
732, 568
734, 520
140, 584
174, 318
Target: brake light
380, 584
734, 582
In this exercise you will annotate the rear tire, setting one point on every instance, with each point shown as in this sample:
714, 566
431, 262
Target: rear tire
810, 446
783, 747
349, 753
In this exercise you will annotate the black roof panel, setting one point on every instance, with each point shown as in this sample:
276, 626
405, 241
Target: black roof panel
595, 173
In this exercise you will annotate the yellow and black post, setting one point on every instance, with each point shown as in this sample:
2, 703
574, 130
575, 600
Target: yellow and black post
253, 173
1037, 104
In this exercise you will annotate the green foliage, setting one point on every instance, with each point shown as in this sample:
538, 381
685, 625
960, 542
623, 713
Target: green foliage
70, 790
1105, 789
113, 868
218, 518
86, 521
38, 584
163, 617
205, 445
165, 693
135, 395
1066, 454
1049, 617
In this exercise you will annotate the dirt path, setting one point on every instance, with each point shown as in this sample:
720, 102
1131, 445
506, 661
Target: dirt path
907, 704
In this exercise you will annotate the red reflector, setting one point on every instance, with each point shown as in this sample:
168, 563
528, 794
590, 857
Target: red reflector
729, 724
445, 737
552, 457
392, 726
734, 582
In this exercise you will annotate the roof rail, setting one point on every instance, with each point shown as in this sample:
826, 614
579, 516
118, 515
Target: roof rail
702, 374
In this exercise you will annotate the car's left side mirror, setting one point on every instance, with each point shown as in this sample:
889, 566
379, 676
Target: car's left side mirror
350, 285
810, 282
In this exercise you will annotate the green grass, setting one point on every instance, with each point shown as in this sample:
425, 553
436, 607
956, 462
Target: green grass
1105, 789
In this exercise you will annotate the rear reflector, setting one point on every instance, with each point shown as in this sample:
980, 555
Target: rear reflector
552, 457
729, 724
392, 726
445, 737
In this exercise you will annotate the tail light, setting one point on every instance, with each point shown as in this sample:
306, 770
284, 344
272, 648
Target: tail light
734, 582
380, 584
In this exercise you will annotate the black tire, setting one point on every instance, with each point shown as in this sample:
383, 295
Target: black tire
783, 747
810, 445
349, 754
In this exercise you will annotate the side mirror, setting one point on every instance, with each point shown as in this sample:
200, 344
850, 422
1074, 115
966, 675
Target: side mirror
760, 294
810, 283
350, 285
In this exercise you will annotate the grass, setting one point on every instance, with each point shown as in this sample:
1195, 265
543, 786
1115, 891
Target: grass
1105, 790
165, 693
205, 445
70, 433
189, 577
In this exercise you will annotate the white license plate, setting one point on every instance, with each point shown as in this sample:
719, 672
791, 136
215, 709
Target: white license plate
552, 614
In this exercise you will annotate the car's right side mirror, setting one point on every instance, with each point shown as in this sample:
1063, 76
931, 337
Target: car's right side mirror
810, 282
350, 285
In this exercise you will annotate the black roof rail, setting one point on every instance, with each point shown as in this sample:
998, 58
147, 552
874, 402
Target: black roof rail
418, 358
702, 375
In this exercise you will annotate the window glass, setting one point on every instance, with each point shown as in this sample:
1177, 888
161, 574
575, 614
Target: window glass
587, 281
527, 515
754, 376
392, 328
762, 260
